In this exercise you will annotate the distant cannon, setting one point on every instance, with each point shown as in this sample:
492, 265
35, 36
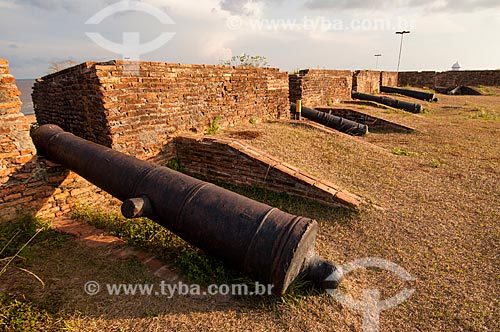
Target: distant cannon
427, 96
263, 242
410, 107
332, 121
458, 91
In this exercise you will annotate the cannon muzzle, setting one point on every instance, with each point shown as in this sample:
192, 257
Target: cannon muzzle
263, 242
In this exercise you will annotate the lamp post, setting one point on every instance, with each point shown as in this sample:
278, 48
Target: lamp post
376, 62
400, 45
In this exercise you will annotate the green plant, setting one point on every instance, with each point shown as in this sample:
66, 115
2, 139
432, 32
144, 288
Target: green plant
23, 316
15, 234
213, 127
15, 237
436, 163
401, 152
298, 292
174, 164
329, 103
484, 114
246, 60
253, 120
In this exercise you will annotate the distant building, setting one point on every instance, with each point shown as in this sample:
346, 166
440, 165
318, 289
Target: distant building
456, 66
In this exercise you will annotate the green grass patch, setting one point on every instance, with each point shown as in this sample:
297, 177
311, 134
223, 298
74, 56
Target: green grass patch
14, 234
19, 316
16, 240
213, 127
483, 114
143, 233
174, 164
401, 152
436, 163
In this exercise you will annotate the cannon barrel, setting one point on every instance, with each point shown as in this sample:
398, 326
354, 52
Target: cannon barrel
404, 105
427, 96
332, 121
263, 242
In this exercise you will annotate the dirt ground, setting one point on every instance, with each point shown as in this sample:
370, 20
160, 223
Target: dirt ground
439, 220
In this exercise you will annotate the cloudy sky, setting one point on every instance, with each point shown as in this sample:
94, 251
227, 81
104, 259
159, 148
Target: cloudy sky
292, 34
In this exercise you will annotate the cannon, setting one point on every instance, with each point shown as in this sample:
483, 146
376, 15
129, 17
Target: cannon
458, 91
404, 105
427, 96
332, 121
263, 242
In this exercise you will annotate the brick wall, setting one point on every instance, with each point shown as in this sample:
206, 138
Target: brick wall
389, 78
366, 81
319, 87
450, 78
30, 184
468, 77
235, 163
73, 100
134, 107
417, 79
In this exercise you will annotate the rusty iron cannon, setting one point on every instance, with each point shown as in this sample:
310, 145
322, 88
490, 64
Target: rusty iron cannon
404, 105
332, 121
263, 242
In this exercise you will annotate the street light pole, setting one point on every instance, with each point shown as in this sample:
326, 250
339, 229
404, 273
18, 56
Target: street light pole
376, 63
400, 45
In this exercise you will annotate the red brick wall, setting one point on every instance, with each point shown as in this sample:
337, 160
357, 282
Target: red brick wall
417, 79
319, 87
389, 78
136, 106
468, 77
72, 99
366, 81
28, 185
450, 78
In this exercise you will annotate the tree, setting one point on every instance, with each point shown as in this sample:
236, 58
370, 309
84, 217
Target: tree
56, 66
246, 60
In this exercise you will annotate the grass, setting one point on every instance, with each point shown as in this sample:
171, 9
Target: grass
213, 127
16, 239
174, 164
401, 152
21, 316
441, 227
436, 163
148, 235
483, 114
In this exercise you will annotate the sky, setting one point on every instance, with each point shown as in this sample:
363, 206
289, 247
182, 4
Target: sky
296, 34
